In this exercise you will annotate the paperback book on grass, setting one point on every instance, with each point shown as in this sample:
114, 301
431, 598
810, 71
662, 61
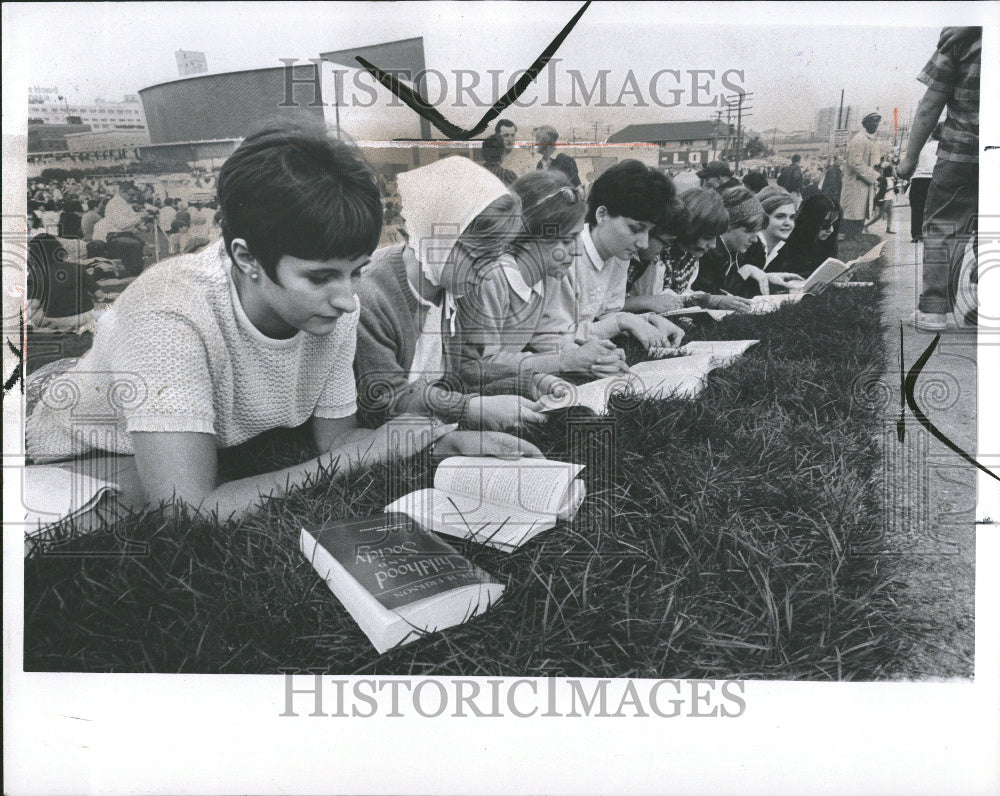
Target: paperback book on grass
677, 376
396, 580
833, 270
498, 502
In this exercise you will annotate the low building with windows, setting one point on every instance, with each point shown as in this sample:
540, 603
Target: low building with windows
681, 144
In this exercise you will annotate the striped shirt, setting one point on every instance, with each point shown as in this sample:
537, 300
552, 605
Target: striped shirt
955, 72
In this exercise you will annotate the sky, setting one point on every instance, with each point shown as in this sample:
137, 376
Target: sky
794, 58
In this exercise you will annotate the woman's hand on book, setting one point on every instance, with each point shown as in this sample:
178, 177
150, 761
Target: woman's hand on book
485, 443
667, 301
502, 412
736, 303
662, 334
402, 438
595, 357
786, 280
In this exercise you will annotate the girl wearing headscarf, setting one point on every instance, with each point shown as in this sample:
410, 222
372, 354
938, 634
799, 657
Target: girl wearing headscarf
455, 214
814, 238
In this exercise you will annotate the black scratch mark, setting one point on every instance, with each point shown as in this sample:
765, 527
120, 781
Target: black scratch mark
417, 103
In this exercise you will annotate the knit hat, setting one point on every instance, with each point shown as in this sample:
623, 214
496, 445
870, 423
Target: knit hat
742, 206
772, 197
438, 202
872, 115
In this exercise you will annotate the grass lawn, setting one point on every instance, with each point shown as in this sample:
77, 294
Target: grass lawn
735, 535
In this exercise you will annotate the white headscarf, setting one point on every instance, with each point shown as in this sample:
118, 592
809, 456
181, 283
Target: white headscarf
438, 202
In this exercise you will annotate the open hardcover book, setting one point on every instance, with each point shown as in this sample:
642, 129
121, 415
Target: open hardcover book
834, 270
396, 580
678, 376
498, 502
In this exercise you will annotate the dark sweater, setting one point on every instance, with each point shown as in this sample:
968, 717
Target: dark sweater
717, 273
387, 337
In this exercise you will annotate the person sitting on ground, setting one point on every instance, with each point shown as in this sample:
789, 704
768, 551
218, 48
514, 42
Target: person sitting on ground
764, 261
814, 238
60, 291
545, 144
500, 313
408, 294
50, 216
121, 225
257, 332
625, 203
89, 219
493, 152
667, 283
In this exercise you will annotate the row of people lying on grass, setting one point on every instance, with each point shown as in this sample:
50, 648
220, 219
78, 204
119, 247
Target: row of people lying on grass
259, 332
731, 247
489, 312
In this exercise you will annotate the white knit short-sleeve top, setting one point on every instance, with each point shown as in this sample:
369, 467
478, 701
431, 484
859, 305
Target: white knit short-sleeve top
176, 352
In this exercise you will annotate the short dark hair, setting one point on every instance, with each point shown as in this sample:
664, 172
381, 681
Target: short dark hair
291, 189
504, 123
493, 149
796, 158
705, 215
632, 189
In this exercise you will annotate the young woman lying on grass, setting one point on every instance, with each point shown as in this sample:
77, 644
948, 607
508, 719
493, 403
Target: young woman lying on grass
723, 269
765, 262
256, 332
501, 309
625, 203
456, 215
814, 238
662, 282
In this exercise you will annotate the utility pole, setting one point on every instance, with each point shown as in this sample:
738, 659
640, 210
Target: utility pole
742, 104
739, 131
840, 111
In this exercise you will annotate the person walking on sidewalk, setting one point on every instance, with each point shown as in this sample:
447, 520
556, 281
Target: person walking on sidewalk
952, 80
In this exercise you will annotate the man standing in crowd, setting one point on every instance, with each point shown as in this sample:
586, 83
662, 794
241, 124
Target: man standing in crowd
717, 176
860, 177
833, 180
952, 80
514, 159
493, 152
791, 179
545, 143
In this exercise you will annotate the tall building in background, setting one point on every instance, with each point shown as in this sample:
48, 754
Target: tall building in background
826, 120
191, 62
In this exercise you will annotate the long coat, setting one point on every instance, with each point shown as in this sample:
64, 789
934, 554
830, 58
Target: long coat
860, 176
